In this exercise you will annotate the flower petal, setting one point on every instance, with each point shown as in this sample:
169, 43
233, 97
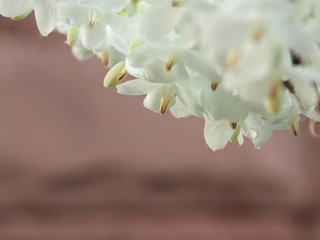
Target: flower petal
14, 8
217, 133
116, 41
256, 130
221, 104
93, 38
152, 101
137, 87
158, 20
46, 15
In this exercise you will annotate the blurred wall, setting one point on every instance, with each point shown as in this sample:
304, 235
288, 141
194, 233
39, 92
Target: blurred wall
78, 161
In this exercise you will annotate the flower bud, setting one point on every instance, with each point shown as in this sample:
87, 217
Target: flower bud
73, 35
117, 73
20, 17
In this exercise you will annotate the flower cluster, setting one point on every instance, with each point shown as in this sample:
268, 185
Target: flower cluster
247, 67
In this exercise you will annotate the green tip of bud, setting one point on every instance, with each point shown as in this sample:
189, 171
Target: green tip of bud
20, 17
117, 73
73, 35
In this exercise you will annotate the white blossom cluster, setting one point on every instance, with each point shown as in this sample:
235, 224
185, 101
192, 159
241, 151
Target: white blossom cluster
247, 67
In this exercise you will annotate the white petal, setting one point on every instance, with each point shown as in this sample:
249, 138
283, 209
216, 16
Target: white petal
93, 38
217, 133
158, 20
115, 57
141, 56
116, 41
223, 105
189, 101
257, 131
72, 14
152, 101
134, 71
14, 8
114, 5
179, 110
81, 53
46, 16
303, 79
137, 87
314, 115
156, 72
196, 62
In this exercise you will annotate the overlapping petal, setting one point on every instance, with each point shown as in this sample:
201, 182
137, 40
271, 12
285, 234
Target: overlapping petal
247, 67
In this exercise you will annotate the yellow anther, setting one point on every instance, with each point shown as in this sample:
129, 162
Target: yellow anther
273, 101
176, 3
167, 96
93, 17
295, 127
233, 58
172, 59
214, 86
233, 125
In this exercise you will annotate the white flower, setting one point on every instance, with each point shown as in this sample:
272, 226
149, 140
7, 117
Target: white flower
45, 12
246, 67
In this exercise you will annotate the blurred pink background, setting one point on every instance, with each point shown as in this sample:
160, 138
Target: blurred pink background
78, 161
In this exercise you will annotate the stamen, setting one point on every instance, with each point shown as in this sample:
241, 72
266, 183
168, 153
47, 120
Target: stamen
257, 33
214, 86
233, 58
117, 73
294, 126
93, 17
288, 84
172, 59
297, 59
123, 74
273, 101
167, 96
233, 125
176, 3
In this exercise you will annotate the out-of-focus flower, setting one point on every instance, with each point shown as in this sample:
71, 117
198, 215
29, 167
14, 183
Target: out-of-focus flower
45, 12
246, 67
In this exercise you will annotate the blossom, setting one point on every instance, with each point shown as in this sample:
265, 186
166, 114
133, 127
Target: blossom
45, 12
246, 67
